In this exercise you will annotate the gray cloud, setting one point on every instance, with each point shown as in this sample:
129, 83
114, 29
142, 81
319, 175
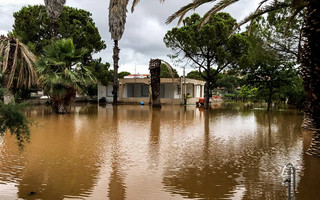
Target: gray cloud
144, 31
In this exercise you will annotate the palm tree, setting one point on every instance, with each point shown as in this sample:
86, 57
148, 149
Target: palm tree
61, 74
310, 60
154, 67
54, 9
16, 65
117, 21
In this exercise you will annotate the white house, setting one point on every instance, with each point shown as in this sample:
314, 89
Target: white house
137, 88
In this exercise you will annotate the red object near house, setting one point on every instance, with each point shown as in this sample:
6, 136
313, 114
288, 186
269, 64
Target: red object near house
201, 100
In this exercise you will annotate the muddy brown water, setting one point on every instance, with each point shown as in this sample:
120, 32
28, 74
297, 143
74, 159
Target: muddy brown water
131, 152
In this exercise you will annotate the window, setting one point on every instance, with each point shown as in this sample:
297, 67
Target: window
144, 90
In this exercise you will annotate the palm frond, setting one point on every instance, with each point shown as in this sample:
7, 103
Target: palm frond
261, 11
251, 23
182, 11
54, 8
6, 57
61, 71
292, 17
13, 67
117, 18
134, 3
218, 7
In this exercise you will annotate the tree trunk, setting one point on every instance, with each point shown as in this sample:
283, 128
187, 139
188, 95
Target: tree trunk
116, 51
311, 60
54, 10
308, 122
62, 105
54, 26
270, 98
154, 67
206, 95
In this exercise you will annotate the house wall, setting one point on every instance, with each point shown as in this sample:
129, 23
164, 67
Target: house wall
171, 91
134, 90
105, 91
171, 95
109, 91
102, 90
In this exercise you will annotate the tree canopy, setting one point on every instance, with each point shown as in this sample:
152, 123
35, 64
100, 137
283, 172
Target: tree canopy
32, 26
209, 47
165, 72
61, 73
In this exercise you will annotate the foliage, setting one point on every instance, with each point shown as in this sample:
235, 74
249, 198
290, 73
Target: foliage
209, 47
229, 82
123, 74
166, 73
60, 68
101, 71
294, 92
195, 74
248, 92
265, 6
117, 18
13, 120
32, 26
269, 71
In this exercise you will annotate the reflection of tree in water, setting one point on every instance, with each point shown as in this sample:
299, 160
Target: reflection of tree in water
68, 167
309, 184
212, 167
88, 110
275, 144
154, 138
117, 189
203, 171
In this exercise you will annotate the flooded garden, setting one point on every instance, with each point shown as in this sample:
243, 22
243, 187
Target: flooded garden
232, 151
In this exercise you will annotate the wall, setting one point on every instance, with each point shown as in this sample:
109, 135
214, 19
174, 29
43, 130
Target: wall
171, 91
102, 90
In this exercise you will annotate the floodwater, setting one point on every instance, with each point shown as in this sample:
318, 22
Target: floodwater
131, 152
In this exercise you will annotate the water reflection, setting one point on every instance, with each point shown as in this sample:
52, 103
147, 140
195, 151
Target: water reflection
233, 165
154, 138
57, 154
117, 189
130, 152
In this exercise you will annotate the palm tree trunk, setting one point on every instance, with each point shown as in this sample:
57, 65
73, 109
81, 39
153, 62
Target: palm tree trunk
154, 67
308, 122
311, 60
206, 94
54, 10
54, 26
270, 98
116, 51
63, 105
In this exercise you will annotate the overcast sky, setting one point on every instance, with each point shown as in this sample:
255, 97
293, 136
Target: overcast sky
144, 30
